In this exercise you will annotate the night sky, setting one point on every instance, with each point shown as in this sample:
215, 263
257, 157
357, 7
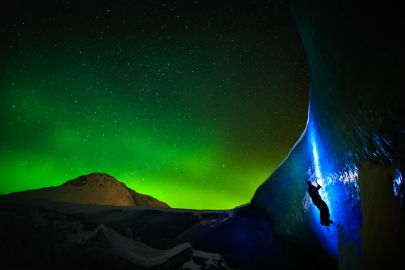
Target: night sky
192, 102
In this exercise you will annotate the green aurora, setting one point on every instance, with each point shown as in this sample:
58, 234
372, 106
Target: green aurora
195, 114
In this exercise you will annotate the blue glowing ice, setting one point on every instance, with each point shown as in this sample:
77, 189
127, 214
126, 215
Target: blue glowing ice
398, 186
340, 191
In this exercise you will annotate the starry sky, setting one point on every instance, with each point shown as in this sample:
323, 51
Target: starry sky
192, 102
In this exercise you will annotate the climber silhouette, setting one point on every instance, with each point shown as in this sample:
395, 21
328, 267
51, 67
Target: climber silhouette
319, 203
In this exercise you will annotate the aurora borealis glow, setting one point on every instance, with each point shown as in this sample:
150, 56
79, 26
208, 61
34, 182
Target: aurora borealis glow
194, 103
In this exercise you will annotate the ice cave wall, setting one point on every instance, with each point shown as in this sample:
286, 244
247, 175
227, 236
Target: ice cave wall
355, 125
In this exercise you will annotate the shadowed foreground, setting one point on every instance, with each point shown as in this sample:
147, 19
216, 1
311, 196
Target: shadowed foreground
41, 233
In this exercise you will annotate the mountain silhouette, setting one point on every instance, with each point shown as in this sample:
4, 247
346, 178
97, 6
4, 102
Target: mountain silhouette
95, 189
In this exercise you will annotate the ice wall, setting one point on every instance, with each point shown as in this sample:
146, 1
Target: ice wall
356, 65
